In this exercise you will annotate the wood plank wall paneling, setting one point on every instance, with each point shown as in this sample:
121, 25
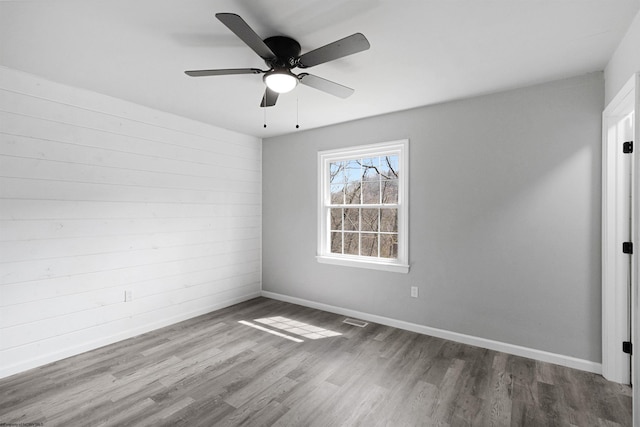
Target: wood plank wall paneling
99, 196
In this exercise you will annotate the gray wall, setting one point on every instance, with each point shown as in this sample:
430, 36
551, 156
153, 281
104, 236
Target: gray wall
504, 217
624, 62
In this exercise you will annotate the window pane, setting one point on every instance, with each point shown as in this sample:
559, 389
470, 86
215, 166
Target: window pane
389, 167
337, 173
369, 220
390, 191
369, 244
351, 219
352, 193
337, 193
370, 167
352, 170
389, 245
336, 243
351, 244
336, 219
371, 192
354, 186
389, 220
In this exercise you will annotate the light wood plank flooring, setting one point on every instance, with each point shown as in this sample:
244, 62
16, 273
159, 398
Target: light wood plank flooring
214, 371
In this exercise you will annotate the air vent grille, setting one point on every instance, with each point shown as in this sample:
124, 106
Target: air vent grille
355, 322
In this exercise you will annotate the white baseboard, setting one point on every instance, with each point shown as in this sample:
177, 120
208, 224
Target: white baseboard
543, 356
40, 360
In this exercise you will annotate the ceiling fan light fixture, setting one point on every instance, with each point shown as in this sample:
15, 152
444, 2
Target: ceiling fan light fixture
281, 81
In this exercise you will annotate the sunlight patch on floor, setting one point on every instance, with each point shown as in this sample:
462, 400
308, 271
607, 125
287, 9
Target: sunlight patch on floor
298, 328
253, 325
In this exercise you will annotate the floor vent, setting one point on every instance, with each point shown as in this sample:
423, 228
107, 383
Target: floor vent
355, 322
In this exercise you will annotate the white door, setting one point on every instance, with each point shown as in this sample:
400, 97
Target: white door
619, 278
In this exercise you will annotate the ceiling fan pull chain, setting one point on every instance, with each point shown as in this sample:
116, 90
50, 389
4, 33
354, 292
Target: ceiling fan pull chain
297, 113
264, 108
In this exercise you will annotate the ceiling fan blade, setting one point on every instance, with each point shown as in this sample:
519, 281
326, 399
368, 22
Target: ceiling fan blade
224, 72
347, 46
269, 99
241, 29
325, 85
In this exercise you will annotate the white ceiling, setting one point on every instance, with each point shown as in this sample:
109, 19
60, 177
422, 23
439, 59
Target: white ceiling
422, 52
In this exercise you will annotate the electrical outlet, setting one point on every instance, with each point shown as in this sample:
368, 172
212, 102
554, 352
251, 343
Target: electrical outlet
128, 296
414, 292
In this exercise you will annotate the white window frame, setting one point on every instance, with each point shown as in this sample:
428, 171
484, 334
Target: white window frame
325, 158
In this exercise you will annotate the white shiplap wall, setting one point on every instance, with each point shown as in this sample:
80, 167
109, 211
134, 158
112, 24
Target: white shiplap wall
99, 196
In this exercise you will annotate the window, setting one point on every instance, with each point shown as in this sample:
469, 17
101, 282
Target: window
363, 206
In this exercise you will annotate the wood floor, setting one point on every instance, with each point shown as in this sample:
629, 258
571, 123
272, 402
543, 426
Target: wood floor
215, 371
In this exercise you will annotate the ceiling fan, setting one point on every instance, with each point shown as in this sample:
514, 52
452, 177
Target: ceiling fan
282, 54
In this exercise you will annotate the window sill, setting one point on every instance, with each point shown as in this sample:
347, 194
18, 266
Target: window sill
373, 265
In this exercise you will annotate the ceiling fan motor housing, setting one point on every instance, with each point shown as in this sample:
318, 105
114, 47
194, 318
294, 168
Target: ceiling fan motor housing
287, 51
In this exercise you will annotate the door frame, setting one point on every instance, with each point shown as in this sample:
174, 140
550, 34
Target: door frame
635, 298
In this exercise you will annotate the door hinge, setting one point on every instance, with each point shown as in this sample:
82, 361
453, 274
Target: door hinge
627, 347
627, 147
627, 247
